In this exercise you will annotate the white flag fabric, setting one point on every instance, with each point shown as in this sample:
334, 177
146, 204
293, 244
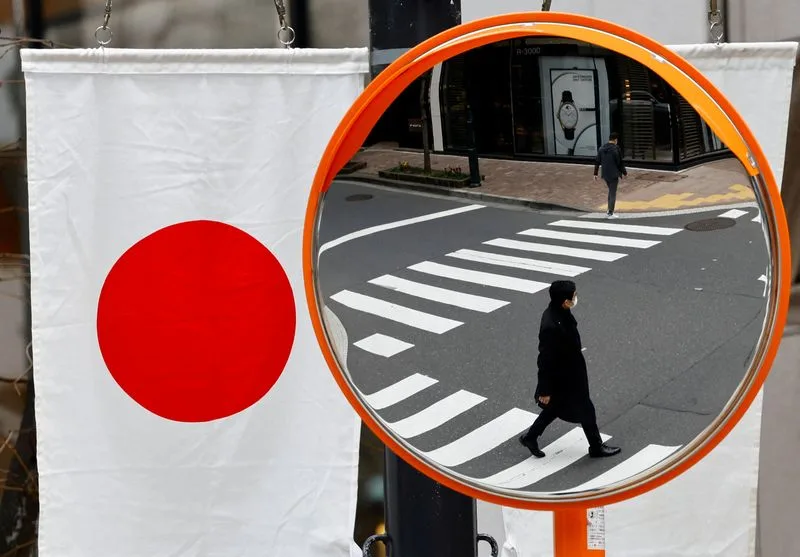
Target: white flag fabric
710, 510
168, 192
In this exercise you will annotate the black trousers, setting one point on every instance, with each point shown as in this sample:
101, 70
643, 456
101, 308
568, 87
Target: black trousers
612, 194
550, 414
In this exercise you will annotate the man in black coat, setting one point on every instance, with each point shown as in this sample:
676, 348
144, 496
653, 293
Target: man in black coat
609, 163
563, 388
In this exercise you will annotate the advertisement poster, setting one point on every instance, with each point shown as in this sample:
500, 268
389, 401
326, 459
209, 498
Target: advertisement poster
574, 112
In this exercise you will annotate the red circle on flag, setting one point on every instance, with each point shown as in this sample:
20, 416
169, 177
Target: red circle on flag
196, 321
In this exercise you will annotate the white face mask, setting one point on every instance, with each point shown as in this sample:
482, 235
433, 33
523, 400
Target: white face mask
575, 301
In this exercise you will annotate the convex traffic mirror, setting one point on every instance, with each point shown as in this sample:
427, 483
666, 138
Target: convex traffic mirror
547, 262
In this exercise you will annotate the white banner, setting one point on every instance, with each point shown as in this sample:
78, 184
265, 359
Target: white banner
167, 197
711, 509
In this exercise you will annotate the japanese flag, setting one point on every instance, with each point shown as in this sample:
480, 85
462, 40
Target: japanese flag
183, 405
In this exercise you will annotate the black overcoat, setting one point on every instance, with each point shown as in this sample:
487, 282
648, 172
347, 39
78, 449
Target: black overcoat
562, 368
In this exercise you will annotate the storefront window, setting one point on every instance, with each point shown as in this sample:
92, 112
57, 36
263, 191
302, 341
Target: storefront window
547, 98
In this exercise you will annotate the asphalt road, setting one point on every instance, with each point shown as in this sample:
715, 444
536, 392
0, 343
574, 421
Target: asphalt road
668, 327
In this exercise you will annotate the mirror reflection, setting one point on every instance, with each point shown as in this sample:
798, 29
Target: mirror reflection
543, 270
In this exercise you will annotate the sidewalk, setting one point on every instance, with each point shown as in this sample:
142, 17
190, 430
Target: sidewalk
571, 186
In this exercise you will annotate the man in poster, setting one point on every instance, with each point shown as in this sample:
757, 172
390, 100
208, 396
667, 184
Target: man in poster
609, 159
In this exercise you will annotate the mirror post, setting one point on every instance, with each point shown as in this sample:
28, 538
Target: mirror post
425, 518
571, 533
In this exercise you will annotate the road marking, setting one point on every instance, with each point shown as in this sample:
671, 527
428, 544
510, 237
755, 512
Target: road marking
632, 228
478, 277
483, 439
733, 214
441, 295
757, 218
763, 278
437, 414
563, 452
591, 238
396, 224
400, 391
383, 345
394, 312
556, 250
560, 269
671, 213
641, 461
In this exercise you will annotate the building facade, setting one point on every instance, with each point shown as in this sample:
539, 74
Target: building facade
551, 99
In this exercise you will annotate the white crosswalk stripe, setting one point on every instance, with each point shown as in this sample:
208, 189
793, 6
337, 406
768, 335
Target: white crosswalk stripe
733, 214
564, 451
479, 277
383, 345
483, 439
556, 250
639, 462
400, 391
407, 316
441, 295
615, 227
437, 414
590, 238
560, 269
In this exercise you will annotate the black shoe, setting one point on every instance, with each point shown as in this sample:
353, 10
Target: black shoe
603, 451
532, 446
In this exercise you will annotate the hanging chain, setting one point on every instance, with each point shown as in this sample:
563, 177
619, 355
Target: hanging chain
286, 34
715, 24
103, 34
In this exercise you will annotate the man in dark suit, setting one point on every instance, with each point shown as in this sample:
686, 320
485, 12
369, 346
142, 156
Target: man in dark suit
609, 160
563, 388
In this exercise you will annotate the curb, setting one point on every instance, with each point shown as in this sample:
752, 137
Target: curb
462, 193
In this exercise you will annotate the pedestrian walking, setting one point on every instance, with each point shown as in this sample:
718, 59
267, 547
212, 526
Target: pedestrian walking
609, 163
563, 387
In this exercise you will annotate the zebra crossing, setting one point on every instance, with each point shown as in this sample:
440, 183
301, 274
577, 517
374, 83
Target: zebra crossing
494, 255
561, 248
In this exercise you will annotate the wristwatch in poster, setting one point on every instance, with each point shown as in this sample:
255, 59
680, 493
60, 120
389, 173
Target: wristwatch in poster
568, 115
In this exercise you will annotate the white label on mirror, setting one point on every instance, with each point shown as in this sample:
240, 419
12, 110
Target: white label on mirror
641, 461
560, 269
556, 250
563, 452
758, 218
482, 440
591, 238
400, 391
437, 414
596, 530
632, 228
478, 277
441, 295
394, 312
382, 345
733, 214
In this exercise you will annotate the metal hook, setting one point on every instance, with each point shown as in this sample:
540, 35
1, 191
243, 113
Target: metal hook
492, 543
366, 549
103, 34
286, 34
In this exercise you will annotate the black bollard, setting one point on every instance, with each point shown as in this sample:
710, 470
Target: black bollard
472, 154
425, 518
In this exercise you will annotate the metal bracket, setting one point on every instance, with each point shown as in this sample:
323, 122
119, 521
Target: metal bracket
491, 541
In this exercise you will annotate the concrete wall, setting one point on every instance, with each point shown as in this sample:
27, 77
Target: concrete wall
210, 24
669, 22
